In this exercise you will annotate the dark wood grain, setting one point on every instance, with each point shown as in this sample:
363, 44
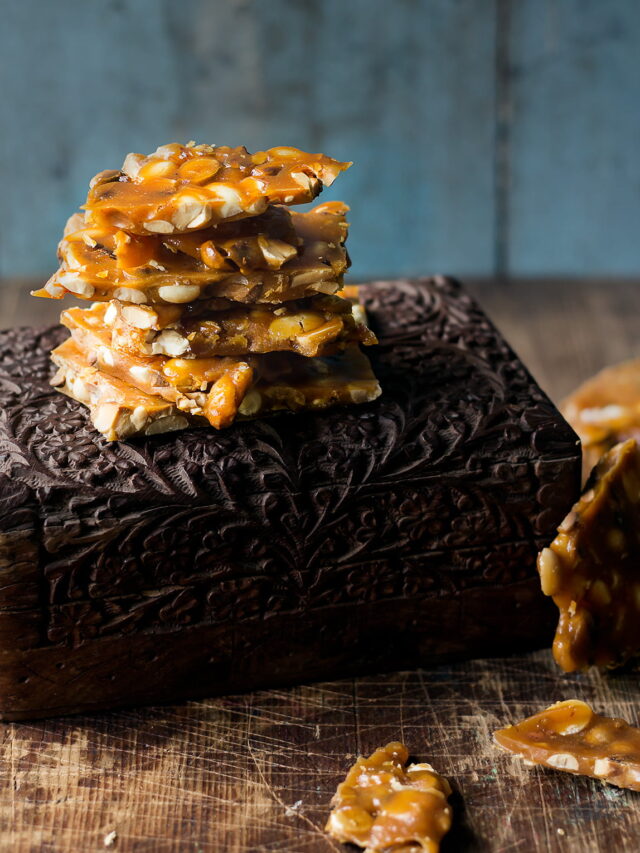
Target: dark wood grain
501, 135
256, 772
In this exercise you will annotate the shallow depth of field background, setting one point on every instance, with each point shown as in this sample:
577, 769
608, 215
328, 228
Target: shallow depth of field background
489, 137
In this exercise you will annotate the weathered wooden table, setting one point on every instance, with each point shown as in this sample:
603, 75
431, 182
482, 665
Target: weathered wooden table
256, 772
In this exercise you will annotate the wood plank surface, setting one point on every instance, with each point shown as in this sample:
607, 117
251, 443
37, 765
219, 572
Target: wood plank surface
572, 74
256, 772
488, 136
404, 88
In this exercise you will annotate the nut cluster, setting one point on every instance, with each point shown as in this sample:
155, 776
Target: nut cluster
590, 569
182, 188
570, 736
384, 805
211, 299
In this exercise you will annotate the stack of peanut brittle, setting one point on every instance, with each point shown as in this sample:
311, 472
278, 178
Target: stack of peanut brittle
211, 299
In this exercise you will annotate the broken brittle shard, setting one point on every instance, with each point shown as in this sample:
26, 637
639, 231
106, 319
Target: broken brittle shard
605, 410
386, 806
319, 326
570, 736
591, 567
271, 258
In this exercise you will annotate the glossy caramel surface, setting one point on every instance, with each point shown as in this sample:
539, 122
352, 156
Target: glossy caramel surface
217, 389
570, 736
383, 805
605, 410
311, 327
271, 258
591, 568
182, 188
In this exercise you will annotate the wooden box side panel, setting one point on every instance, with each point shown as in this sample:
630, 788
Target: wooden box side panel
336, 641
177, 565
22, 610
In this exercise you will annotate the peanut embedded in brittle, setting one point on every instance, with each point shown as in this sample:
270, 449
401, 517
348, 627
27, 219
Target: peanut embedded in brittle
385, 806
591, 567
570, 736
272, 258
181, 188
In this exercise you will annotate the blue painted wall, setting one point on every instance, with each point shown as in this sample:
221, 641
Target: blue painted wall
488, 135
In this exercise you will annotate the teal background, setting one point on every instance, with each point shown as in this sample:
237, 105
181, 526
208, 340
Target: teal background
489, 136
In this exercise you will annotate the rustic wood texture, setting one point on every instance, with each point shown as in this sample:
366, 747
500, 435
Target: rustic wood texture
489, 136
256, 772
404, 88
572, 188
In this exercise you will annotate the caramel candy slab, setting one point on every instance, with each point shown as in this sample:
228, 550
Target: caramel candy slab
293, 383
571, 736
592, 567
605, 410
209, 387
383, 805
183, 188
270, 258
220, 389
118, 411
310, 327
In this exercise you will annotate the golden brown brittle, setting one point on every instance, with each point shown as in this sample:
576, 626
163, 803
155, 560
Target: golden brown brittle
293, 383
570, 736
385, 806
211, 388
183, 188
605, 410
212, 301
272, 258
219, 389
311, 327
118, 410
591, 568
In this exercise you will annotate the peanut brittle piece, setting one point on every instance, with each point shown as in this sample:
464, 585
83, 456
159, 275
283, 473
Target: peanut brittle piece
271, 258
183, 188
220, 388
118, 410
290, 382
316, 326
571, 736
207, 387
605, 410
592, 567
383, 805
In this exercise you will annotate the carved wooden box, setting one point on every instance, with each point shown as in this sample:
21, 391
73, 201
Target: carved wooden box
311, 546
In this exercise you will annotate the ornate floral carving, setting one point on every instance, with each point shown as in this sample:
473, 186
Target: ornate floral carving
405, 496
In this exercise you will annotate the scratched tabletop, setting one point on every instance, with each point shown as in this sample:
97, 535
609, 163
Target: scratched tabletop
256, 772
